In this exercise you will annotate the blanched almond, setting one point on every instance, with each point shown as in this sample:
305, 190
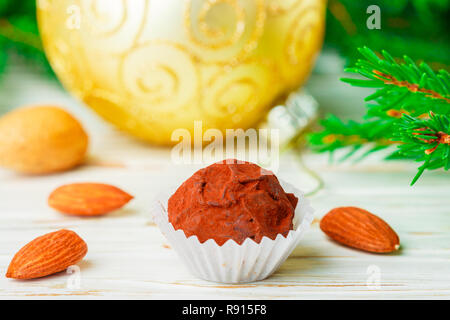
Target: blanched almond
41, 140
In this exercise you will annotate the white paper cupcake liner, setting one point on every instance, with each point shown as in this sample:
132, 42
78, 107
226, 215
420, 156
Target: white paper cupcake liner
231, 262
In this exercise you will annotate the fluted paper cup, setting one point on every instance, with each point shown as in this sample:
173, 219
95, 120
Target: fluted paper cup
231, 262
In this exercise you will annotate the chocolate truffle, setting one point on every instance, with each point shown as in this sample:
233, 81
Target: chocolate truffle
232, 200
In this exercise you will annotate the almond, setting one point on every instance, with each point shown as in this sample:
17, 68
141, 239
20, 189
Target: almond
358, 228
41, 140
88, 199
48, 254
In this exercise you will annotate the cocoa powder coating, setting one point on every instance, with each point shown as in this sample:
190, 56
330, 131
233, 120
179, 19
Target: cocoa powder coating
232, 200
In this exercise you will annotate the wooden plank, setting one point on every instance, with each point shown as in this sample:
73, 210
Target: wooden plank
129, 258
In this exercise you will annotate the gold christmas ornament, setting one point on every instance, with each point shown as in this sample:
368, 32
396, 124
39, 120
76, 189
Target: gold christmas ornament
153, 66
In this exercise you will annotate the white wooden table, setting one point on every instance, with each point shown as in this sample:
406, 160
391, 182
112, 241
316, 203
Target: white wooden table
129, 258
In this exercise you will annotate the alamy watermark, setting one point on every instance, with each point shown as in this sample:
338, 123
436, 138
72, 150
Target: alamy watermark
74, 280
73, 22
212, 145
374, 20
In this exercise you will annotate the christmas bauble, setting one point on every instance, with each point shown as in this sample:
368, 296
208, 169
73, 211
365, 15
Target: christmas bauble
153, 66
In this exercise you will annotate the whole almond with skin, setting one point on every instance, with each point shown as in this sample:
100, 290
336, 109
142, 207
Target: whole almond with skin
88, 199
48, 254
41, 140
359, 229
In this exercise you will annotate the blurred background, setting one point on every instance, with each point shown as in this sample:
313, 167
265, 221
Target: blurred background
120, 65
417, 28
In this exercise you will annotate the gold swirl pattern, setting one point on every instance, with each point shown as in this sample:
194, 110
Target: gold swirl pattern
303, 41
112, 25
216, 35
104, 20
235, 94
60, 51
228, 29
302, 30
153, 66
160, 74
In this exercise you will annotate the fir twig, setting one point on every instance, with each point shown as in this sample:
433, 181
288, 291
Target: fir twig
404, 87
410, 108
425, 140
388, 79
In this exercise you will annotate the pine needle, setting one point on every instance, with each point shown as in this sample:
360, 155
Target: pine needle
410, 108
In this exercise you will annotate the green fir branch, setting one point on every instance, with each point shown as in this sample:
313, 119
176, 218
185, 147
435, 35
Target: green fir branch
425, 140
337, 135
409, 108
406, 88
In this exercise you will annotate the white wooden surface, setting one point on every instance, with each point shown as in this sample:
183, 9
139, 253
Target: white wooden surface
129, 258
